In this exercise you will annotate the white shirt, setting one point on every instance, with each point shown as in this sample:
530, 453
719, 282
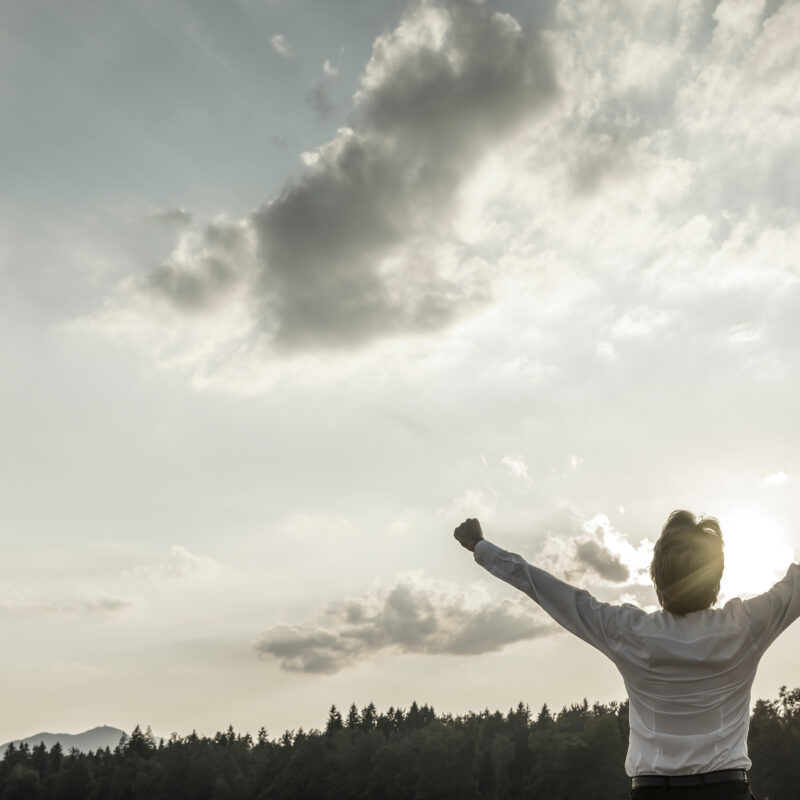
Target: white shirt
688, 678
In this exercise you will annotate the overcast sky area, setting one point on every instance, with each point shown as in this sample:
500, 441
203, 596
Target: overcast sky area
289, 288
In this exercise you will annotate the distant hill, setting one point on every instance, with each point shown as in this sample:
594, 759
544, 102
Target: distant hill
93, 740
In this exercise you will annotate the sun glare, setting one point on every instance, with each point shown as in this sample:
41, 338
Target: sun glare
757, 553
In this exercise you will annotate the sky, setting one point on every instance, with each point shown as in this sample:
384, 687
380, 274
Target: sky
290, 289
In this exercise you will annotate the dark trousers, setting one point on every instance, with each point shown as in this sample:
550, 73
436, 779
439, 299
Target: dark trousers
717, 791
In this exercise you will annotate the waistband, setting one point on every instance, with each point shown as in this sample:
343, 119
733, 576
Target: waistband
702, 779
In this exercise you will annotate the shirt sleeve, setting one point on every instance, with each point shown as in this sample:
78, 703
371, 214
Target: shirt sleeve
771, 613
574, 609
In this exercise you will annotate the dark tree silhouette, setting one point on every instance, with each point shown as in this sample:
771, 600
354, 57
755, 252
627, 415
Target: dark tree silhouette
391, 755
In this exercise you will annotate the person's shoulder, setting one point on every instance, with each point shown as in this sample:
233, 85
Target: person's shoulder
734, 605
628, 613
727, 618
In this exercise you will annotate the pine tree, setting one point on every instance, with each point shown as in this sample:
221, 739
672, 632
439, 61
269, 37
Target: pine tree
545, 718
368, 717
352, 717
334, 723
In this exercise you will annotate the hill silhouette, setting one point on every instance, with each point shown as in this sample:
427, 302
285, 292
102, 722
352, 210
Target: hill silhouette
95, 739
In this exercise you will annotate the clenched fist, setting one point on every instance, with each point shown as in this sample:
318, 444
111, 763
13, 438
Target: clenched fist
469, 533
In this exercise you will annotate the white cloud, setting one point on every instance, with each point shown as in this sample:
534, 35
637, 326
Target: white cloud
329, 69
517, 469
642, 321
522, 369
744, 333
179, 565
575, 461
775, 479
606, 350
470, 503
281, 46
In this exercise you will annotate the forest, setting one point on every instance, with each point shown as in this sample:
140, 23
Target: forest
413, 754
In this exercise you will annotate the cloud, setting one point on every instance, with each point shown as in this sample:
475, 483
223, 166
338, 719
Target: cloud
103, 605
775, 479
180, 564
575, 461
412, 616
595, 548
173, 217
470, 503
16, 601
280, 142
640, 321
606, 350
202, 275
744, 334
281, 46
605, 563
517, 469
362, 246
319, 101
329, 69
630, 190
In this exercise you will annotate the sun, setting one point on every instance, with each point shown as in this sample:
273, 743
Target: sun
758, 552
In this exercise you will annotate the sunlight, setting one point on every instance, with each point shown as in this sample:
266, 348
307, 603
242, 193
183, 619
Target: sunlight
758, 552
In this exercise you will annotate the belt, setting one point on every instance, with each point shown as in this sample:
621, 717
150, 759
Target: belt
703, 779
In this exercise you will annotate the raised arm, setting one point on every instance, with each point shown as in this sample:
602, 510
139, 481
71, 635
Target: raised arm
574, 609
772, 612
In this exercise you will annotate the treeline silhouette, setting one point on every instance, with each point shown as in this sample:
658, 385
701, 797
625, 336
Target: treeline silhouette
405, 754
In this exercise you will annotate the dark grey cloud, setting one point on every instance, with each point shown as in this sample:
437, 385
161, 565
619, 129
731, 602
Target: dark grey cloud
279, 141
207, 277
317, 98
602, 561
770, 9
412, 617
346, 253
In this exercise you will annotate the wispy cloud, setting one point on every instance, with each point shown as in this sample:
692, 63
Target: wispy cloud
23, 602
177, 217
281, 46
470, 503
775, 479
318, 99
180, 564
517, 469
641, 321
